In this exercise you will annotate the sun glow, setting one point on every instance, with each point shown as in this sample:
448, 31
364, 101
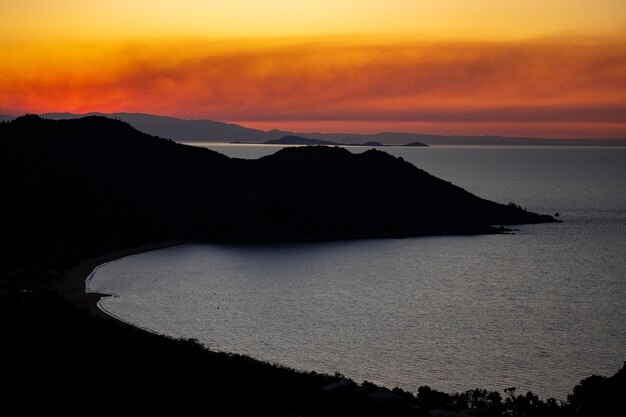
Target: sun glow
516, 68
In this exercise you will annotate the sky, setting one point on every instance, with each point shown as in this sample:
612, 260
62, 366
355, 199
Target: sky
550, 68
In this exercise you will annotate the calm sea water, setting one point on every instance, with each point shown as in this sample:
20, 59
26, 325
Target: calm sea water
539, 310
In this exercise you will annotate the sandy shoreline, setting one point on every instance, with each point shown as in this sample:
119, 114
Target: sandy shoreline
73, 285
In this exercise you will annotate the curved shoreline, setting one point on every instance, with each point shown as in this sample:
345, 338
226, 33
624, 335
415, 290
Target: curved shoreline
84, 272
100, 296
121, 320
75, 281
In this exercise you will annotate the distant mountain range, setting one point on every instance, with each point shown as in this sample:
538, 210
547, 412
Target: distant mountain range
190, 130
183, 130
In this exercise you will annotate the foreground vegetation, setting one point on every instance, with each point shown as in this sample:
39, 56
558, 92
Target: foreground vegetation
56, 357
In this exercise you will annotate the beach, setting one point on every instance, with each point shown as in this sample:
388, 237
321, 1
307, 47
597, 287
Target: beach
73, 284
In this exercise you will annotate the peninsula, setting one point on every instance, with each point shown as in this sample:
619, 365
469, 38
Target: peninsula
97, 177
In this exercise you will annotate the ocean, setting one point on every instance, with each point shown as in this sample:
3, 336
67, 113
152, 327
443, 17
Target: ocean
538, 309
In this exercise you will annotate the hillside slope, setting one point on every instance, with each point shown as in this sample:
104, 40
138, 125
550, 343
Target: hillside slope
72, 183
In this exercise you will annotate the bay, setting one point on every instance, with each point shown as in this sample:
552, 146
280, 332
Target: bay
539, 309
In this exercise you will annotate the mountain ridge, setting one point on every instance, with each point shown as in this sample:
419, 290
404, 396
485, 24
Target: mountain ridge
63, 179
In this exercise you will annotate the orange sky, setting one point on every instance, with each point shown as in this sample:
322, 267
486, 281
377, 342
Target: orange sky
556, 69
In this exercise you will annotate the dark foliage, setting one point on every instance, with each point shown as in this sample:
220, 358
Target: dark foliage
55, 357
594, 396
600, 396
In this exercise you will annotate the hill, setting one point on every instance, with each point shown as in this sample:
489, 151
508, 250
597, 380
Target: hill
71, 185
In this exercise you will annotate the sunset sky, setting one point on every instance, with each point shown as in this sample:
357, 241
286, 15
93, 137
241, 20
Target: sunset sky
551, 68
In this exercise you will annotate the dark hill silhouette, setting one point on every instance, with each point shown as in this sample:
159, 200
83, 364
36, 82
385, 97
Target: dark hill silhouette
101, 178
415, 144
298, 140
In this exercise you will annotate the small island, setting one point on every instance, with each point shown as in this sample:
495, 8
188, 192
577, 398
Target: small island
298, 140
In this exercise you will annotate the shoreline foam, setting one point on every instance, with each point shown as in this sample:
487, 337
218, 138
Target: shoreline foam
74, 286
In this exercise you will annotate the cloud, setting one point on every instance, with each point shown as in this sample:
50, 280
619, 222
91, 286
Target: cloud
460, 82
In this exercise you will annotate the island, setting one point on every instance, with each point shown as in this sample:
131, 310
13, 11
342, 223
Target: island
298, 140
78, 193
